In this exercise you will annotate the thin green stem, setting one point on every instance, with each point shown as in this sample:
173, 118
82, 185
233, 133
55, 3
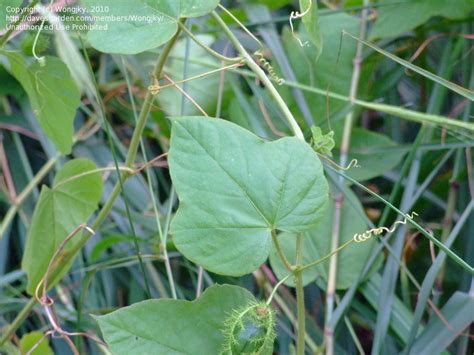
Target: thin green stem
280, 252
199, 76
38, 33
242, 26
326, 257
261, 76
207, 48
94, 171
6, 36
300, 307
275, 288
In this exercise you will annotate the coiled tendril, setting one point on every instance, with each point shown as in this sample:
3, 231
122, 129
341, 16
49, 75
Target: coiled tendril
362, 237
296, 15
268, 67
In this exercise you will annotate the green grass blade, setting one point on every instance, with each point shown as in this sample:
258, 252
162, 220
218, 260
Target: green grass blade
446, 83
438, 334
430, 277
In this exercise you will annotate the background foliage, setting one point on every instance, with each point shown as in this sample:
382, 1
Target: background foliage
410, 129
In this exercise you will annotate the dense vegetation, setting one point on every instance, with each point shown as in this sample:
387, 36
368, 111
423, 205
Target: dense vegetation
238, 177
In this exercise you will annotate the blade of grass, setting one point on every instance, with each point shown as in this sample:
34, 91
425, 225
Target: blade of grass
438, 334
430, 277
446, 83
391, 269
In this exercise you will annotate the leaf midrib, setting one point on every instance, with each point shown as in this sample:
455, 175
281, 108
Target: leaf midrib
230, 177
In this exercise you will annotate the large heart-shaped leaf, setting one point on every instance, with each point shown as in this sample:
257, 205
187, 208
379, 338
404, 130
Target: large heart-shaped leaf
134, 26
317, 244
174, 326
235, 188
60, 209
53, 95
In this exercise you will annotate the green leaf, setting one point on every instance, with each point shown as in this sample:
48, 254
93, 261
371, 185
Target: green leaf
53, 95
60, 209
31, 339
235, 188
174, 326
373, 152
145, 24
317, 244
469, 94
398, 16
311, 23
322, 143
458, 313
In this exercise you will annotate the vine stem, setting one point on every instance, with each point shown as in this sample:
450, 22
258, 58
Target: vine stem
66, 257
207, 48
261, 75
280, 252
300, 308
339, 199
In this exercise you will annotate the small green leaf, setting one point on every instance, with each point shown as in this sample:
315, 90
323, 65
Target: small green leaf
53, 95
235, 188
317, 244
311, 23
322, 143
60, 209
174, 326
31, 339
145, 24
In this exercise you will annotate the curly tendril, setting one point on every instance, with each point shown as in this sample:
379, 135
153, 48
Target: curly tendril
268, 67
294, 15
362, 237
